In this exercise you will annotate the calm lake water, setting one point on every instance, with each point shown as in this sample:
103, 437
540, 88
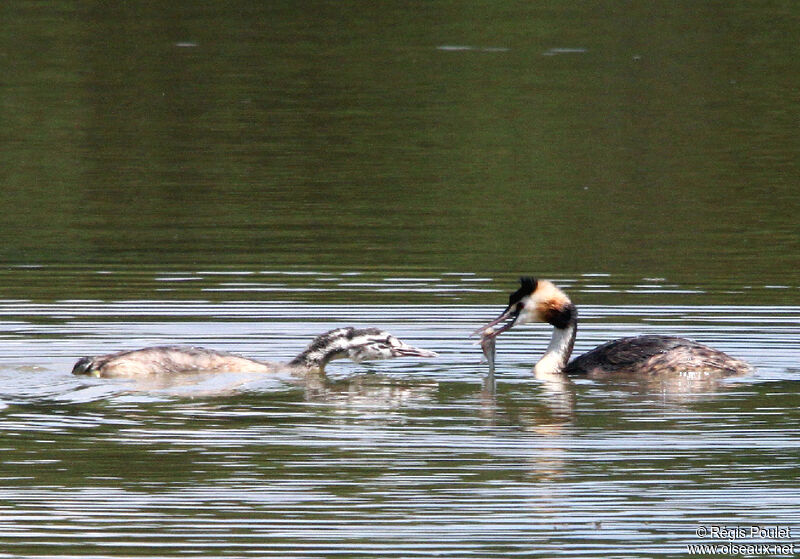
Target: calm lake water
246, 176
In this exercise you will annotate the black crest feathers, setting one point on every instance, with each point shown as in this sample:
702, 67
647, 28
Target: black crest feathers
527, 286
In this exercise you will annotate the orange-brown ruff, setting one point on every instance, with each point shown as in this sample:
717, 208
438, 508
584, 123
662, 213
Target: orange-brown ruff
364, 344
541, 301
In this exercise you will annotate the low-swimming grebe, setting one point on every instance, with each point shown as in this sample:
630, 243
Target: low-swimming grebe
357, 344
541, 301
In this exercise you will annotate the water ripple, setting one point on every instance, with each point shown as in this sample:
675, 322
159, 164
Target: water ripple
391, 459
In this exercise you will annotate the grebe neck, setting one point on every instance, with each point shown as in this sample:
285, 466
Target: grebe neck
326, 347
556, 356
316, 358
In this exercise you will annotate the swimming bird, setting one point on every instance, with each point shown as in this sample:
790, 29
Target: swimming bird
541, 301
356, 344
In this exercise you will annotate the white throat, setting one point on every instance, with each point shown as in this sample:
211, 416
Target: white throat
557, 354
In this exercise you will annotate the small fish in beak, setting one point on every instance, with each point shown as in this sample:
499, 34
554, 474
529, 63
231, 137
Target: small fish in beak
488, 345
489, 334
510, 315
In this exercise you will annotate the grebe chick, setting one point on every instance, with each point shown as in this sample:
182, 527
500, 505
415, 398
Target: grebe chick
357, 344
541, 301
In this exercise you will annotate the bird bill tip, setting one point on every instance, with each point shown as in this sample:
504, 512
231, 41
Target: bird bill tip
411, 351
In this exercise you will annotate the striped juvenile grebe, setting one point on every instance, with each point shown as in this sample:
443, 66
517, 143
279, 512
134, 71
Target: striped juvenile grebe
541, 301
357, 344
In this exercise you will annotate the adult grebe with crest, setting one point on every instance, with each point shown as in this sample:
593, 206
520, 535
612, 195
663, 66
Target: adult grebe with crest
541, 301
364, 344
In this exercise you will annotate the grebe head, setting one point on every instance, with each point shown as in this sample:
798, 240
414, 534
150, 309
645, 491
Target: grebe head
365, 344
534, 301
371, 344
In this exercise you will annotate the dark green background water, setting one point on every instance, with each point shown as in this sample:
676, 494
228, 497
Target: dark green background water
246, 175
649, 138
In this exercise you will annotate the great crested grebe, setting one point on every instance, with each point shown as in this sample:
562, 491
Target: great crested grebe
357, 344
541, 301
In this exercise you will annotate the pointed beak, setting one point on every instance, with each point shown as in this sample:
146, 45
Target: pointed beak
488, 331
406, 350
